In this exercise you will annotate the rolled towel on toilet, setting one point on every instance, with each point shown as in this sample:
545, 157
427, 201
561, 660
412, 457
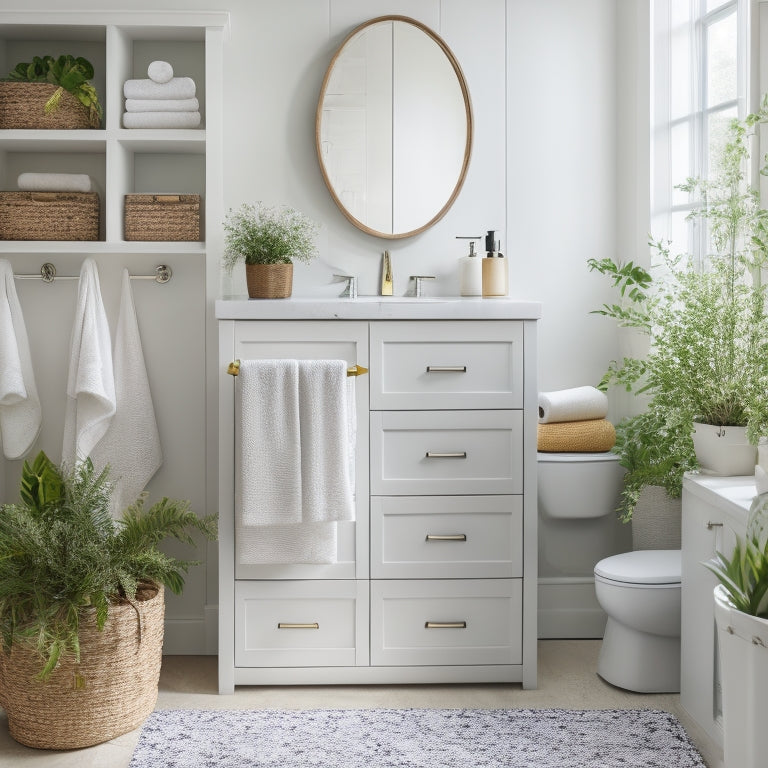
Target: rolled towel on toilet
175, 88
589, 436
576, 404
160, 71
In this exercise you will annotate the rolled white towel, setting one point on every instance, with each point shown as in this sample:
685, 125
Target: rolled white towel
54, 182
160, 71
175, 88
576, 404
161, 119
162, 105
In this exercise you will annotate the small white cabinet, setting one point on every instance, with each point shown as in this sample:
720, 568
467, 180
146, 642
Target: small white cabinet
436, 578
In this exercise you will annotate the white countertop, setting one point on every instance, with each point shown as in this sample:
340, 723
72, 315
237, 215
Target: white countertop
378, 308
734, 495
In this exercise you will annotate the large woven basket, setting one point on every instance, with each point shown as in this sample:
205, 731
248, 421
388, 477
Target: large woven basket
162, 217
110, 692
22, 105
49, 216
269, 281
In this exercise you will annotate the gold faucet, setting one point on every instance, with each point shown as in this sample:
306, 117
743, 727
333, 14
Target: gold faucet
386, 275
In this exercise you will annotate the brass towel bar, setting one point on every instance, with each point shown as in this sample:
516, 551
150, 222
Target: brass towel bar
356, 370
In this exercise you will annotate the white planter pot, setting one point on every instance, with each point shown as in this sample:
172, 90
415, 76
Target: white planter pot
743, 643
724, 450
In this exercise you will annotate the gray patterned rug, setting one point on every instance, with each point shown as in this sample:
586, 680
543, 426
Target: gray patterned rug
414, 738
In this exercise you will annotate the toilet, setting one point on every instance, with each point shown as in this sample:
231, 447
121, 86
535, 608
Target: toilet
640, 592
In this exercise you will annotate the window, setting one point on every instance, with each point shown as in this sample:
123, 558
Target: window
699, 79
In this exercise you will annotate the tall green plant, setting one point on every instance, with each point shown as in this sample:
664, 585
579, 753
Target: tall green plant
61, 552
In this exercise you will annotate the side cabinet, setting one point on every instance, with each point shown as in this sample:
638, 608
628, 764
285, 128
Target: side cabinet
436, 578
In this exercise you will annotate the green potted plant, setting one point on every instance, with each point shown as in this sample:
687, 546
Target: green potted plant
81, 605
741, 615
268, 240
707, 362
58, 89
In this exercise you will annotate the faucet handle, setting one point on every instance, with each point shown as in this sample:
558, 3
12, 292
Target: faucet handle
351, 288
419, 279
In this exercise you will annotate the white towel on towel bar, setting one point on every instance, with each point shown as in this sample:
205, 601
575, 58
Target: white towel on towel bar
131, 445
294, 480
20, 412
90, 382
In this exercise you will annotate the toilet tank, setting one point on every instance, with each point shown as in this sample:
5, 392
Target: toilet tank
578, 485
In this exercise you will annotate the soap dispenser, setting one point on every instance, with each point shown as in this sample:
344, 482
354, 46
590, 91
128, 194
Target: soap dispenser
470, 270
494, 268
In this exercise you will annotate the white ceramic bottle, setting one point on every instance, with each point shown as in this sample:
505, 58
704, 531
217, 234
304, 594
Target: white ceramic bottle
471, 273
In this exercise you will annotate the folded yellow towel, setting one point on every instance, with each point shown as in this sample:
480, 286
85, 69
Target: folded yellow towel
589, 436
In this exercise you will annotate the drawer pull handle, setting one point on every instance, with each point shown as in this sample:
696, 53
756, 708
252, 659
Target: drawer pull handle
445, 625
289, 625
711, 525
446, 537
454, 455
446, 369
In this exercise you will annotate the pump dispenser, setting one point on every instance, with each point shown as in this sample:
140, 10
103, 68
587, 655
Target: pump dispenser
471, 270
494, 275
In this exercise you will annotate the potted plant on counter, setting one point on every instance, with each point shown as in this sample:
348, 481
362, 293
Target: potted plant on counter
741, 615
81, 605
268, 240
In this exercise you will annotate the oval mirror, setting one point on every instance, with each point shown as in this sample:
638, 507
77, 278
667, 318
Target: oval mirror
394, 127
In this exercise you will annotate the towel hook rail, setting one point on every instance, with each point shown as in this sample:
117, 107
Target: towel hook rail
162, 274
233, 369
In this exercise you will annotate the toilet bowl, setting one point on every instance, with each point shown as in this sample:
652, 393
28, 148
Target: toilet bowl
640, 593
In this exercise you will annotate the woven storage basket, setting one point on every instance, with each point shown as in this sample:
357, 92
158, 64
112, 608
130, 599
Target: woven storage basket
22, 105
162, 217
49, 216
269, 281
656, 520
110, 692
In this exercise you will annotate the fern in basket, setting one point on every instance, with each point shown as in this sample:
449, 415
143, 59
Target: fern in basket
61, 553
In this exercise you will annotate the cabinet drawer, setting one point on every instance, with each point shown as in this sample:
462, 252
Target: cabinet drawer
473, 621
301, 623
451, 452
446, 536
445, 364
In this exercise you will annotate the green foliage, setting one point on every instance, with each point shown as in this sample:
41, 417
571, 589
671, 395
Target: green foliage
744, 574
61, 552
257, 234
69, 73
708, 328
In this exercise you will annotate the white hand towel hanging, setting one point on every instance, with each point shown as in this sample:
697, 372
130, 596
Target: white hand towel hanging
20, 412
90, 383
131, 445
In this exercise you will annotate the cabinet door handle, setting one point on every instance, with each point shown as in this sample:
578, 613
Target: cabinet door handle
453, 455
300, 625
710, 525
446, 537
445, 625
446, 369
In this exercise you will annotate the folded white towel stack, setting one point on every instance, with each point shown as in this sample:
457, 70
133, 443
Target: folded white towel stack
54, 182
161, 100
294, 477
576, 404
90, 383
20, 413
131, 445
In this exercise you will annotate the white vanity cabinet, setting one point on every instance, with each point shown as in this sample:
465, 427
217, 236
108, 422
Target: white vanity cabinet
715, 509
436, 578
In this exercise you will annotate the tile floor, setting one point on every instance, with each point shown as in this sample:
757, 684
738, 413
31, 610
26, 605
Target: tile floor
567, 679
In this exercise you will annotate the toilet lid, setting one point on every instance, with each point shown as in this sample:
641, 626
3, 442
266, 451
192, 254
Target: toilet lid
645, 566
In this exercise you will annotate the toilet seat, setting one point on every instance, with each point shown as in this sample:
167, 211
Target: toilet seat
646, 567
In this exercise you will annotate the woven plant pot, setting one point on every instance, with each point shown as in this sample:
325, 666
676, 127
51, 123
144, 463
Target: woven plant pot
110, 692
269, 281
656, 520
22, 105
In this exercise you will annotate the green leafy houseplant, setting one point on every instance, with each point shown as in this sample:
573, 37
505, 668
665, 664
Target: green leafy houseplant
708, 329
69, 74
259, 234
61, 553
